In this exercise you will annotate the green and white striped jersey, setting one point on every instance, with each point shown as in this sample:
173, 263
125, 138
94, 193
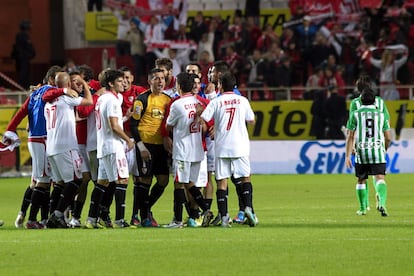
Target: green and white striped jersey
369, 124
379, 103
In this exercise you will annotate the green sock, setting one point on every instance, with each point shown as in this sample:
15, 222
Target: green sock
361, 192
382, 192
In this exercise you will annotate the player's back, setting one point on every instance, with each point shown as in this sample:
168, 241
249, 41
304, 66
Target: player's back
369, 124
61, 124
187, 133
108, 105
231, 136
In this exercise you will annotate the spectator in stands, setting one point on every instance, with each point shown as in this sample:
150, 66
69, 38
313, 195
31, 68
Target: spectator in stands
136, 39
123, 45
207, 41
253, 32
331, 77
384, 37
205, 64
336, 113
182, 33
306, 33
96, 3
288, 35
256, 69
268, 37
296, 62
312, 83
23, 52
223, 44
318, 124
234, 60
330, 62
349, 59
198, 27
153, 32
391, 60
319, 51
275, 53
280, 74
236, 29
70, 66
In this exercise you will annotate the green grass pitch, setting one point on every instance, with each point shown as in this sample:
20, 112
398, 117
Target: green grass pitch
307, 226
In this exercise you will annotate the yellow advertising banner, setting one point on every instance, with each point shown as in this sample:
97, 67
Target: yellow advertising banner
274, 17
275, 120
100, 26
6, 114
283, 120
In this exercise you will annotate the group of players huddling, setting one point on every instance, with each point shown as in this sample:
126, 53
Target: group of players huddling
80, 129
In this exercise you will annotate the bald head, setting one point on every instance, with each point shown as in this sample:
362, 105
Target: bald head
62, 80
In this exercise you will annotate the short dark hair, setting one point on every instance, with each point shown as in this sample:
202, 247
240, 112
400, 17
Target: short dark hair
195, 64
153, 71
110, 76
221, 66
87, 71
185, 81
363, 82
72, 73
367, 96
51, 73
125, 69
228, 81
164, 62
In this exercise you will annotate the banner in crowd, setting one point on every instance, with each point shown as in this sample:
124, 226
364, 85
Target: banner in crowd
314, 7
103, 26
320, 157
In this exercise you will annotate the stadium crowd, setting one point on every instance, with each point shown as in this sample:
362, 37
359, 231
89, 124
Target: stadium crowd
311, 51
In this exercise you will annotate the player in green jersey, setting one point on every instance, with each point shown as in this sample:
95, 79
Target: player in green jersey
368, 137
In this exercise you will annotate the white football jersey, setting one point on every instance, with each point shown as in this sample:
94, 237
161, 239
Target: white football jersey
61, 125
91, 139
230, 113
108, 105
187, 134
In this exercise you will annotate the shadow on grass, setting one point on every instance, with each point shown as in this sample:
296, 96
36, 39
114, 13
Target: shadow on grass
335, 225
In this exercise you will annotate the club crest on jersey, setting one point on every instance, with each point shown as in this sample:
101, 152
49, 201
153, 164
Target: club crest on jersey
131, 98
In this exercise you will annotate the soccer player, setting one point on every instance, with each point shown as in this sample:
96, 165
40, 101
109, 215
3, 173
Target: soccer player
38, 193
88, 112
113, 167
363, 82
231, 112
211, 91
79, 85
129, 95
152, 159
166, 65
187, 150
369, 135
62, 147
